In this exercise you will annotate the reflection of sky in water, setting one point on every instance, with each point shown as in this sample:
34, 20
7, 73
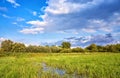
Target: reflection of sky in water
61, 72
53, 70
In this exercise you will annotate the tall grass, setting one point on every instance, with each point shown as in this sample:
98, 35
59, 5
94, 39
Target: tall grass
95, 65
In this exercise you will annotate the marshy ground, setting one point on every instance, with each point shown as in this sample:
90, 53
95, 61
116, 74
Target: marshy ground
60, 65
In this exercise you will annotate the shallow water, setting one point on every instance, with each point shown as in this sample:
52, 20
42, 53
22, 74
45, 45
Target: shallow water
60, 72
53, 70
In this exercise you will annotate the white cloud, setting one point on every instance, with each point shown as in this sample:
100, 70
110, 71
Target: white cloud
65, 15
36, 27
105, 25
15, 4
32, 30
61, 7
34, 13
88, 30
2, 39
3, 9
15, 23
37, 23
19, 19
5, 16
66, 6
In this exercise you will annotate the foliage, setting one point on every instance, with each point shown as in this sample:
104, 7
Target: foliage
18, 47
66, 51
55, 49
7, 45
92, 48
10, 46
66, 45
100, 48
77, 49
75, 65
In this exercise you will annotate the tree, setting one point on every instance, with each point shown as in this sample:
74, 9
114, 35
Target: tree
66, 45
92, 48
100, 48
32, 48
6, 45
66, 51
118, 47
55, 49
18, 47
77, 49
112, 48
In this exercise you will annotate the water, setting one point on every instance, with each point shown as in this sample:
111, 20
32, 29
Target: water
53, 70
60, 72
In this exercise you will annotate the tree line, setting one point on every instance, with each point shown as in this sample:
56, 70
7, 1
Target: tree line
10, 46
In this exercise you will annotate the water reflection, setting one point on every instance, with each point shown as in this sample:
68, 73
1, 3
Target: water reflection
60, 72
53, 70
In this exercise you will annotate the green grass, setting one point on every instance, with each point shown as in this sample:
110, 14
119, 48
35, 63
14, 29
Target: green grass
88, 65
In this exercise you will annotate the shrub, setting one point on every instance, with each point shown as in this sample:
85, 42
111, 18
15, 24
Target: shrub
66, 51
78, 49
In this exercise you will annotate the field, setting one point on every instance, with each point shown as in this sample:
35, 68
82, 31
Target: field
64, 65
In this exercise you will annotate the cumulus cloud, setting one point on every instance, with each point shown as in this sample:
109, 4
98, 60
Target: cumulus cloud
62, 7
14, 3
37, 23
32, 30
79, 15
36, 27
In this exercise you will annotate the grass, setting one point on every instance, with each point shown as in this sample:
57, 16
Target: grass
88, 65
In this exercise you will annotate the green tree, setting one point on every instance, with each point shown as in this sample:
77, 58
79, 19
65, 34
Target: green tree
66, 50
100, 48
92, 48
77, 49
6, 45
118, 47
18, 47
33, 48
66, 45
55, 49
112, 48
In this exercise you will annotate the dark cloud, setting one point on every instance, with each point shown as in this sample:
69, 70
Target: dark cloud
103, 10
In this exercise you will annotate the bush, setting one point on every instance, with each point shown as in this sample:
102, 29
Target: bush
78, 49
66, 51
55, 49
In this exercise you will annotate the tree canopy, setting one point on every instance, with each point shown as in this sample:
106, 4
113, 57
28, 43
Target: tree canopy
66, 45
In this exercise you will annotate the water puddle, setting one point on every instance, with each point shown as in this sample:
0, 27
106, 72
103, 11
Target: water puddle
52, 70
60, 72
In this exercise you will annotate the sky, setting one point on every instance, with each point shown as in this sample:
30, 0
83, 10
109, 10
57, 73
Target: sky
80, 22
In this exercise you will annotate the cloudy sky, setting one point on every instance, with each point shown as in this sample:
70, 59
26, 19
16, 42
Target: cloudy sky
40, 21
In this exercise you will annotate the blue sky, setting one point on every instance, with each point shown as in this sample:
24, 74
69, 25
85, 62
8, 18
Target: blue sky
40, 21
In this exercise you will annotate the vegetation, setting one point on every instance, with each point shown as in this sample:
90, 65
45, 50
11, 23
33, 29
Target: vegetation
66, 45
73, 65
10, 46
94, 61
6, 45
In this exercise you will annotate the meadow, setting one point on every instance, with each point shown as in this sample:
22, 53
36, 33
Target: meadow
60, 65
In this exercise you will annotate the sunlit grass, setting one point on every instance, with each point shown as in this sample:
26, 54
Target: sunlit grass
29, 65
